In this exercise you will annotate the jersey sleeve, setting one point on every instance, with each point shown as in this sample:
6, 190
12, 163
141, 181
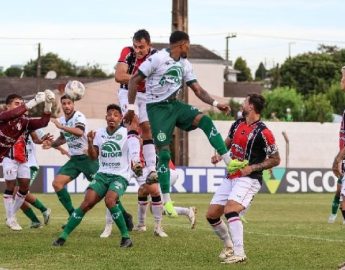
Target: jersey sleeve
269, 141
148, 66
80, 121
125, 53
188, 74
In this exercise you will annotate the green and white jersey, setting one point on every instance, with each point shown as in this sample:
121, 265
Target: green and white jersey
164, 75
31, 148
113, 152
76, 145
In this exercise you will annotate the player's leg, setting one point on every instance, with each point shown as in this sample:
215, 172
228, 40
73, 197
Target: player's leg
142, 202
59, 183
214, 213
27, 210
23, 181
116, 189
342, 194
335, 203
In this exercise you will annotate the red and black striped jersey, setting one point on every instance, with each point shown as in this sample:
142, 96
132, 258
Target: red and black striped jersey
342, 133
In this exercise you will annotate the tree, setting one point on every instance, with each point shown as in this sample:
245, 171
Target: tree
51, 61
241, 65
13, 72
318, 109
336, 96
260, 73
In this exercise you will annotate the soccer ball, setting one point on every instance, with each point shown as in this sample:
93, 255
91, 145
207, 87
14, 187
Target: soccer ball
75, 90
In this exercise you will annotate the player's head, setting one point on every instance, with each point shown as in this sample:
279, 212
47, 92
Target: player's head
13, 101
342, 82
141, 43
113, 116
67, 105
254, 103
179, 41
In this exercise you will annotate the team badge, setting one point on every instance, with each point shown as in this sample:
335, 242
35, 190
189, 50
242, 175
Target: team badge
118, 137
161, 136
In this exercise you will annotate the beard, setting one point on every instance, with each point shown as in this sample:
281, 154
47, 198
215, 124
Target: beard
244, 113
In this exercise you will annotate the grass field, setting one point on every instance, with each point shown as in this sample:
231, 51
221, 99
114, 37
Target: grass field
284, 232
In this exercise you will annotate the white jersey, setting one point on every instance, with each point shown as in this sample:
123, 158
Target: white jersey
76, 145
165, 76
113, 152
31, 148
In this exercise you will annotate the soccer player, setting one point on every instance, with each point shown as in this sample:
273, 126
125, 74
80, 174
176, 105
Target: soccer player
73, 130
165, 72
251, 143
13, 125
339, 171
110, 146
336, 199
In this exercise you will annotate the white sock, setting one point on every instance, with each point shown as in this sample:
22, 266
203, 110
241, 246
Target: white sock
236, 232
226, 157
18, 201
134, 147
142, 208
8, 203
222, 231
182, 211
157, 210
108, 218
166, 197
149, 152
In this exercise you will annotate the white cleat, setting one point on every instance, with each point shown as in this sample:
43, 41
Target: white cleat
139, 228
46, 216
192, 217
13, 224
159, 232
332, 218
234, 259
107, 231
226, 253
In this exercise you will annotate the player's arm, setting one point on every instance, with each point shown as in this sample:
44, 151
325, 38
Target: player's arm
78, 130
92, 149
47, 144
12, 114
34, 124
203, 95
121, 75
272, 161
336, 167
132, 86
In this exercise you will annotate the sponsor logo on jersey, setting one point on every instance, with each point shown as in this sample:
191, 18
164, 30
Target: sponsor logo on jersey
173, 75
111, 149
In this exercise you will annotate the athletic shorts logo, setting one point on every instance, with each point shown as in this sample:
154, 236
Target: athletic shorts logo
161, 136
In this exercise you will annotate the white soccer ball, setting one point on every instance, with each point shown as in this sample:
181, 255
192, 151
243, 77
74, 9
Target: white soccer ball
75, 90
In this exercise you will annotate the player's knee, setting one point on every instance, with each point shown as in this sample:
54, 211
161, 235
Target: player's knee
110, 202
86, 206
201, 118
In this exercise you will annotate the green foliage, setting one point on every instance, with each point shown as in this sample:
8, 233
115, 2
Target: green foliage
92, 71
279, 99
260, 73
336, 96
274, 75
241, 65
235, 107
13, 72
318, 109
215, 115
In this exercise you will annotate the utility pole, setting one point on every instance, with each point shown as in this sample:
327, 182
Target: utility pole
290, 43
180, 22
38, 69
226, 71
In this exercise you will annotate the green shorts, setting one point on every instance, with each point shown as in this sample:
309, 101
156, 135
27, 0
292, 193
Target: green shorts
165, 115
104, 182
80, 164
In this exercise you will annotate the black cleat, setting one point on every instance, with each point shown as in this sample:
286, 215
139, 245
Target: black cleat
59, 242
129, 221
126, 242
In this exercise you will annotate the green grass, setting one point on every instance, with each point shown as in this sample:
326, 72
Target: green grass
284, 232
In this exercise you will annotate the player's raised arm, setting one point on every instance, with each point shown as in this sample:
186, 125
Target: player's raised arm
132, 93
92, 149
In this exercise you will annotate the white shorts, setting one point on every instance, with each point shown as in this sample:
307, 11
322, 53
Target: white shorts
241, 190
140, 101
12, 169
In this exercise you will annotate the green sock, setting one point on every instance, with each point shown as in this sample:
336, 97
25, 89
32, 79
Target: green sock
335, 204
213, 135
163, 170
65, 199
119, 203
31, 215
39, 205
73, 221
117, 216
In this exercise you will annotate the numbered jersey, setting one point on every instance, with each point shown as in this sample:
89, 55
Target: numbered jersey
165, 76
113, 152
76, 145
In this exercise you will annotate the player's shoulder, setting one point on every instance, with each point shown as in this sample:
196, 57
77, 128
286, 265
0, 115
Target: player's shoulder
78, 114
127, 49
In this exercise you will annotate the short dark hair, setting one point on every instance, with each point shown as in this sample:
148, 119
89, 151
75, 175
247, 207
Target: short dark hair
66, 97
258, 101
12, 97
114, 107
177, 36
142, 34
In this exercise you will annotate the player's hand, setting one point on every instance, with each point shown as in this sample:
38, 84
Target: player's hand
50, 96
90, 136
128, 118
39, 98
246, 170
134, 124
63, 151
56, 123
46, 144
336, 168
215, 159
48, 137
225, 108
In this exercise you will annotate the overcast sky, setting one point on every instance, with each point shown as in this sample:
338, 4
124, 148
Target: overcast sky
94, 31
